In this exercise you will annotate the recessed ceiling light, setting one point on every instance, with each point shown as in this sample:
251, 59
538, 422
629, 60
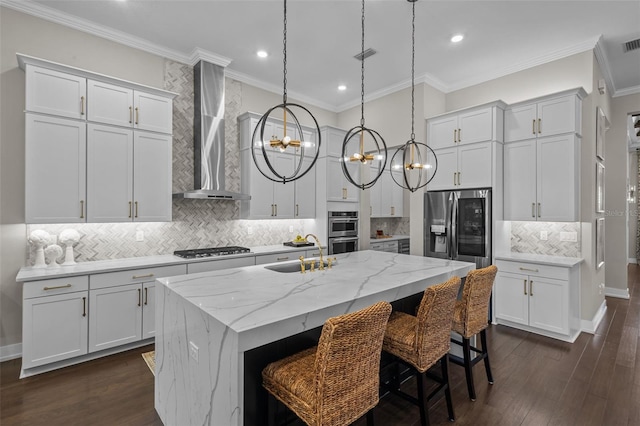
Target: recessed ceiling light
457, 38
262, 54
342, 87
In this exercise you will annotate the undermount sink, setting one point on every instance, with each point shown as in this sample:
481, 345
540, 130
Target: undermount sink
289, 267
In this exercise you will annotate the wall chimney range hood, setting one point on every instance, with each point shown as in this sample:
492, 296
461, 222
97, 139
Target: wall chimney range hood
208, 132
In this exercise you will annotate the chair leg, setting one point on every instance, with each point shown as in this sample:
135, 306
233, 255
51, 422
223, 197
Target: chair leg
485, 352
370, 418
467, 368
422, 400
447, 389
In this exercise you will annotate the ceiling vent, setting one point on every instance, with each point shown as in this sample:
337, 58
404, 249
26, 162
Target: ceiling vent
631, 45
364, 55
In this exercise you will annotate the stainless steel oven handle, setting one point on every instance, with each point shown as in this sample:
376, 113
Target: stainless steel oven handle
347, 220
344, 240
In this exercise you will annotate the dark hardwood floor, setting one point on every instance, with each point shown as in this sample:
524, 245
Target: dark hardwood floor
538, 381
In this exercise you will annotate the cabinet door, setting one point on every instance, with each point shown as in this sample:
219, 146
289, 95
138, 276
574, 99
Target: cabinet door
55, 93
375, 193
548, 304
557, 178
557, 116
338, 187
511, 294
261, 191
394, 193
520, 122
333, 140
148, 310
116, 316
475, 165
520, 180
109, 174
475, 126
109, 104
445, 177
55, 170
442, 132
152, 112
305, 193
283, 193
152, 177
54, 328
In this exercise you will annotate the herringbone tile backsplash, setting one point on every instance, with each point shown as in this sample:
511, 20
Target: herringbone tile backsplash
196, 223
525, 238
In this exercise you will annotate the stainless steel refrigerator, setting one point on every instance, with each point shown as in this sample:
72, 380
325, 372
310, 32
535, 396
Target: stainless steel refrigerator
458, 225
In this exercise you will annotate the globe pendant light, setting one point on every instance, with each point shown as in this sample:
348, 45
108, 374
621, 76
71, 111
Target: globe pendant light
417, 160
266, 148
361, 144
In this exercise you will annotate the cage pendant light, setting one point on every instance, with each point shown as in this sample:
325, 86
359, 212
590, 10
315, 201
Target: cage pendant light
417, 160
282, 154
362, 145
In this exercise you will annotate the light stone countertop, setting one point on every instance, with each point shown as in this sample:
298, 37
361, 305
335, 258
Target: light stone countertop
566, 262
29, 273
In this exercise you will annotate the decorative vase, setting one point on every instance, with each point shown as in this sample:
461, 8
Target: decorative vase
69, 237
68, 256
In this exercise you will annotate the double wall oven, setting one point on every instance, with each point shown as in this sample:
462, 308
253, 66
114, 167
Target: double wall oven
343, 232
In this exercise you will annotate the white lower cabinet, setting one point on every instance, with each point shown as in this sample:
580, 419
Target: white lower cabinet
538, 298
54, 320
387, 246
116, 316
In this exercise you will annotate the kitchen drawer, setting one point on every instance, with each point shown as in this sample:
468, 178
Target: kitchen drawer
314, 253
376, 246
261, 259
533, 269
55, 286
129, 276
216, 265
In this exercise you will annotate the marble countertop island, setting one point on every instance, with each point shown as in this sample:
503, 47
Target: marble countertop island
209, 324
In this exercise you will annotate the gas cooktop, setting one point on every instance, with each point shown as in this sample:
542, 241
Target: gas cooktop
208, 252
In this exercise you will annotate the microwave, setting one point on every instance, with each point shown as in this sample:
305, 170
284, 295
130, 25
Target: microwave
343, 224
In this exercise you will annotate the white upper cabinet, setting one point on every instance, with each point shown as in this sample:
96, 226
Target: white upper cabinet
386, 196
56, 93
64, 155
477, 124
551, 115
464, 167
55, 170
121, 106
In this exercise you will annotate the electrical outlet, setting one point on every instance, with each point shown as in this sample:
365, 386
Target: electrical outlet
193, 351
601, 288
291, 228
139, 235
569, 236
543, 235
249, 230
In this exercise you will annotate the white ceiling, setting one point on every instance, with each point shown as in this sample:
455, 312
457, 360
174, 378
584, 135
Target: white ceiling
501, 37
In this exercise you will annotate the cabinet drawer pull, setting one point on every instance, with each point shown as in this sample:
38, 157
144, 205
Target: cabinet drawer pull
81, 209
130, 209
135, 277
528, 269
130, 115
57, 287
139, 297
530, 288
533, 209
279, 259
146, 295
84, 306
525, 286
81, 105
137, 115
533, 126
539, 211
539, 125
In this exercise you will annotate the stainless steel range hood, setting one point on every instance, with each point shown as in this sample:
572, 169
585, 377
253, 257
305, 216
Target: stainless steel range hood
208, 141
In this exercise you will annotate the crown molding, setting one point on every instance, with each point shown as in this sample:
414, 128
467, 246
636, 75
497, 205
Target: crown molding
628, 91
199, 54
533, 62
603, 62
52, 15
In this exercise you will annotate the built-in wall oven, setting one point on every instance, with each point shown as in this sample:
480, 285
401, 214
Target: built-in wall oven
343, 232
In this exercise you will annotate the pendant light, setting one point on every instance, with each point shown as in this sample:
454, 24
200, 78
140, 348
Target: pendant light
267, 147
417, 160
361, 144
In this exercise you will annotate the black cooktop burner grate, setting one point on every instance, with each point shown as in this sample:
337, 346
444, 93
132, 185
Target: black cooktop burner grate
208, 252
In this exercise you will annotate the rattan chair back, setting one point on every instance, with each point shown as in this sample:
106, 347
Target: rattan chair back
475, 301
434, 317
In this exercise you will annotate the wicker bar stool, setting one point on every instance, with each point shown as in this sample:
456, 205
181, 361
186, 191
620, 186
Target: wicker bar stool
470, 318
336, 382
423, 340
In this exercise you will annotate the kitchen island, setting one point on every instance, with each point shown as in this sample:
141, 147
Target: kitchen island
217, 330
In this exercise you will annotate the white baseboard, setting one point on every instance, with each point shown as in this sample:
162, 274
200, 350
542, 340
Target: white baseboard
617, 292
591, 326
632, 260
8, 352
